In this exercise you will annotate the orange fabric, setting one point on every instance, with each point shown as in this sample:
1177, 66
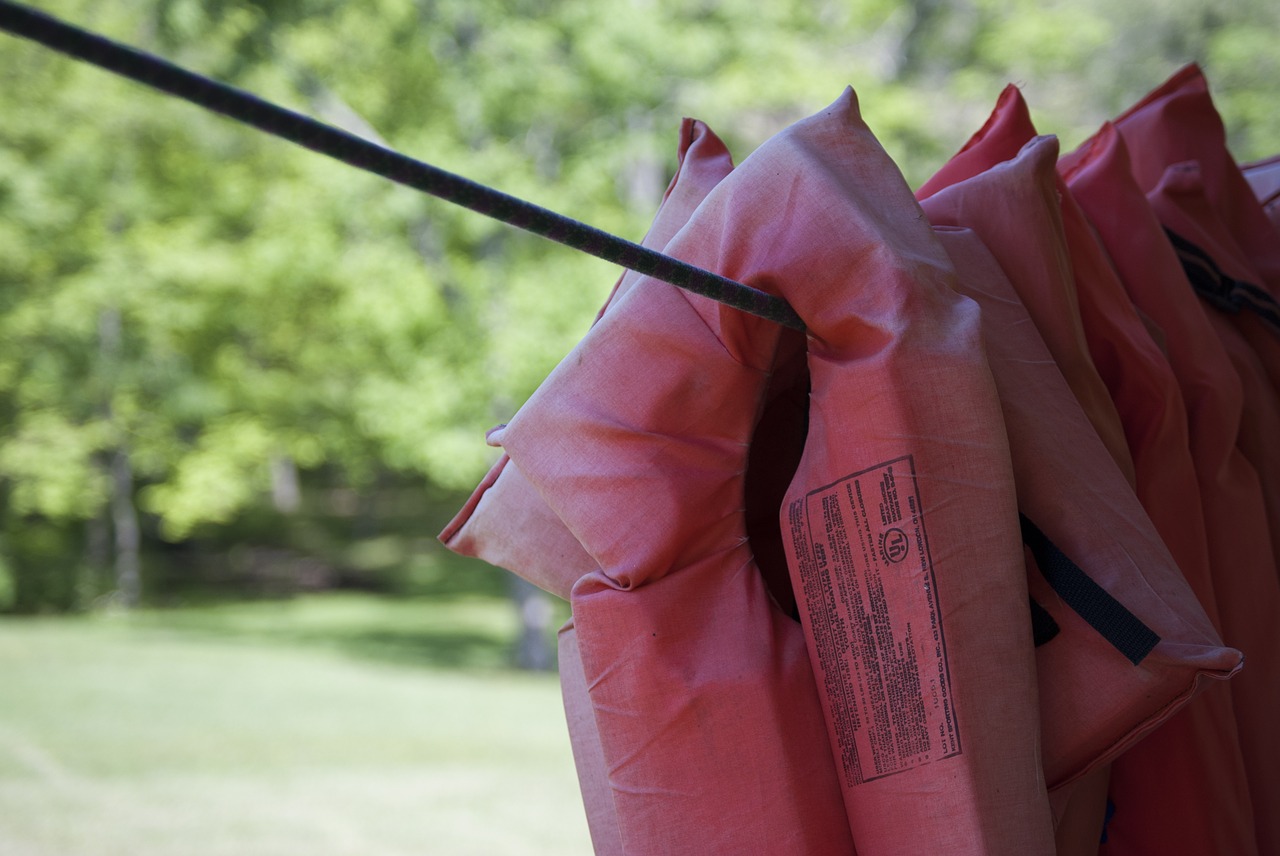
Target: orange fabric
1079, 808
707, 712
1052, 443
505, 522
1182, 205
1176, 123
901, 521
1177, 153
1183, 789
1247, 584
518, 519
1000, 138
588, 751
1093, 705
1054, 304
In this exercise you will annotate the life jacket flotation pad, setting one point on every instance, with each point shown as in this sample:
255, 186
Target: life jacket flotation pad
1051, 441
1056, 306
900, 525
1080, 807
588, 752
1176, 127
1231, 251
1184, 788
707, 712
1153, 414
505, 522
1094, 703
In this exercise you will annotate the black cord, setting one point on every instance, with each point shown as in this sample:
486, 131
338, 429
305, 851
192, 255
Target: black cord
307, 132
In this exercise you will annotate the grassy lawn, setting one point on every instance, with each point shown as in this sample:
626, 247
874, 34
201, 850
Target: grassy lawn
334, 724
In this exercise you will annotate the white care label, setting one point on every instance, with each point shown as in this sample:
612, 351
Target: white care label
871, 611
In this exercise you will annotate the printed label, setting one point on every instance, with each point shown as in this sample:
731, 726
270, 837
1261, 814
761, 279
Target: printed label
871, 603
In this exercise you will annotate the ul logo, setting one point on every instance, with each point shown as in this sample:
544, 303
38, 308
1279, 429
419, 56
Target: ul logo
893, 545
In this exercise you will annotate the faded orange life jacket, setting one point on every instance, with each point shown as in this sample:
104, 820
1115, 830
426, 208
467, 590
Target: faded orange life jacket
1014, 207
901, 525
700, 686
1185, 788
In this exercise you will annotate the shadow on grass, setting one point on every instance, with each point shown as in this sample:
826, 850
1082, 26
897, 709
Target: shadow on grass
461, 617
466, 650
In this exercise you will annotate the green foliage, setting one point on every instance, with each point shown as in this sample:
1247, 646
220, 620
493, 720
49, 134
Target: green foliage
206, 302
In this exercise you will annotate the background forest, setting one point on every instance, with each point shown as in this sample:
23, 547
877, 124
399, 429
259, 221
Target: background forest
228, 365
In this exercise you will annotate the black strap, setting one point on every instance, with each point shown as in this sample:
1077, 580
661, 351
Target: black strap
1215, 286
1043, 627
1261, 303
1206, 277
352, 150
1090, 601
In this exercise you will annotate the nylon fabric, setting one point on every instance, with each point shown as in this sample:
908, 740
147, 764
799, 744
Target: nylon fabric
1181, 202
1184, 789
588, 751
1094, 703
1177, 123
687, 658
508, 524
1248, 590
901, 520
505, 522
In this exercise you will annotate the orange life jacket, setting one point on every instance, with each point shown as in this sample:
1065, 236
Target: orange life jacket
1014, 207
708, 718
901, 525
1184, 789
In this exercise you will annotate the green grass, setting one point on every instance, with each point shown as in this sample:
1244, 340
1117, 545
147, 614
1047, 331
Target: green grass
324, 725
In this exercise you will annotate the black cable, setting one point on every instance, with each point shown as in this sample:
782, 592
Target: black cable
352, 150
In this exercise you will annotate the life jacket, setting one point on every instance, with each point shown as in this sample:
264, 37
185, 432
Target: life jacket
1094, 703
1080, 804
1264, 178
1221, 275
707, 713
1184, 788
1247, 588
900, 525
507, 522
1170, 134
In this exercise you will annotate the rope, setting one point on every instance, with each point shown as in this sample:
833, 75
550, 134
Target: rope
251, 110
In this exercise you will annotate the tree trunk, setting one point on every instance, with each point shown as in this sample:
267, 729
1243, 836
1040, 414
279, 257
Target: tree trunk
533, 648
286, 493
124, 518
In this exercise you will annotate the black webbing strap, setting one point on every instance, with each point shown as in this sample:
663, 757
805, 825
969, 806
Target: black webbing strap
1215, 286
1043, 627
1092, 602
352, 150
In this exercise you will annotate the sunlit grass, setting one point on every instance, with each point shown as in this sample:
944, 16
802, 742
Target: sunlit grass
280, 728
